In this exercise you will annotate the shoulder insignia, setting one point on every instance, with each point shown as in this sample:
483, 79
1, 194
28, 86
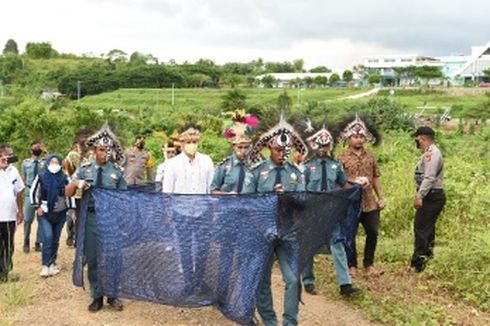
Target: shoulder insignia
85, 164
226, 159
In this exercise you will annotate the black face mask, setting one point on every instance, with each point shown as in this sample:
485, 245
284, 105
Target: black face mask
12, 159
36, 152
417, 143
141, 145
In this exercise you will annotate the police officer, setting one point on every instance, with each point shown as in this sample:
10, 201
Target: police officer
137, 161
31, 167
277, 174
429, 200
99, 172
323, 173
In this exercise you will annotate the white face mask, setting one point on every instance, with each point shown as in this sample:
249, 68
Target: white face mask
190, 149
54, 168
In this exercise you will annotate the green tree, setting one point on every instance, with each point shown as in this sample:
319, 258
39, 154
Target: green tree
268, 81
42, 50
427, 73
9, 64
117, 56
487, 73
137, 59
333, 79
374, 78
320, 69
321, 80
347, 75
233, 100
298, 65
284, 102
10, 47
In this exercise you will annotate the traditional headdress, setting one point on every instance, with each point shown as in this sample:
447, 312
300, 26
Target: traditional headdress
240, 127
322, 137
190, 133
106, 138
282, 135
356, 126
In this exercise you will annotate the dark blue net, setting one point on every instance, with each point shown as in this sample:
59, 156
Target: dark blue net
199, 250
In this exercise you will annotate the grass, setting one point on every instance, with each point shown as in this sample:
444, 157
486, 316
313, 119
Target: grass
13, 295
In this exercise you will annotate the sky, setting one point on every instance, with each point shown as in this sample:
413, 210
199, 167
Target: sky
336, 34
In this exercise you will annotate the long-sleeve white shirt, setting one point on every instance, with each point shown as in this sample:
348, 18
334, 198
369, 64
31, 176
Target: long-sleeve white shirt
185, 176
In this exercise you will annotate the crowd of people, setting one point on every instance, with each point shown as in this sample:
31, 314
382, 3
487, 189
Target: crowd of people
50, 187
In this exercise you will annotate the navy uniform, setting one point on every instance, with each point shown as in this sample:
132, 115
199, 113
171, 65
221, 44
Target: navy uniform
267, 175
326, 174
31, 167
429, 175
109, 176
233, 175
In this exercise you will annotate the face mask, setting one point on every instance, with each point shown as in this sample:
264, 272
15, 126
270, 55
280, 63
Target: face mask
36, 152
190, 149
140, 145
54, 168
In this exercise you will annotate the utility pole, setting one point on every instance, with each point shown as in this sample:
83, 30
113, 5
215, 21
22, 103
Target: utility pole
173, 94
78, 90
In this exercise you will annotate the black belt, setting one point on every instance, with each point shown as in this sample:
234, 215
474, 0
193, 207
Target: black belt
436, 191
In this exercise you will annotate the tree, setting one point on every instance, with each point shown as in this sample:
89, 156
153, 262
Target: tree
42, 50
487, 73
116, 56
137, 59
234, 100
374, 78
298, 65
268, 81
284, 102
9, 64
333, 79
428, 72
10, 47
347, 75
320, 69
321, 81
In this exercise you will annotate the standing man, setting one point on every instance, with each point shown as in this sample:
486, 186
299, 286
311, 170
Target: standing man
429, 200
99, 172
233, 174
323, 173
190, 172
358, 162
137, 161
277, 174
11, 214
169, 151
31, 167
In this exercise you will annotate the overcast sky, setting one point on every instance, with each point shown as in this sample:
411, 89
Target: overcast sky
322, 32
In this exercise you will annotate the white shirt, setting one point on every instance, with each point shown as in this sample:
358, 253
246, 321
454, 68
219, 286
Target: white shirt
10, 185
185, 176
160, 171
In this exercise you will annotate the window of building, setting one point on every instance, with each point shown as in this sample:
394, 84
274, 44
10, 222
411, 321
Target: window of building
373, 60
389, 60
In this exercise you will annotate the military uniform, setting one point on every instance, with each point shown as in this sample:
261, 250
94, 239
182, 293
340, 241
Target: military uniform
326, 175
428, 177
111, 176
233, 175
266, 177
31, 167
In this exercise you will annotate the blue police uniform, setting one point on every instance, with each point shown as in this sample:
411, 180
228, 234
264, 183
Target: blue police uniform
326, 175
233, 175
111, 176
267, 175
31, 167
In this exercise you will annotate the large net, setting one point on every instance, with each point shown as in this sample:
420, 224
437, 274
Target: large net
199, 250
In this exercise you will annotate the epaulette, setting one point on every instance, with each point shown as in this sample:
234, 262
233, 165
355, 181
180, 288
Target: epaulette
254, 166
291, 165
85, 164
226, 159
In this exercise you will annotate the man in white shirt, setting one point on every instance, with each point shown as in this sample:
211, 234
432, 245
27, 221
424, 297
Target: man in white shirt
11, 210
190, 172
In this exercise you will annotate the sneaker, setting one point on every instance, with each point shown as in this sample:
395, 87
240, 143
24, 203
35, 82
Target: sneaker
44, 271
310, 288
115, 304
53, 270
37, 247
96, 305
347, 290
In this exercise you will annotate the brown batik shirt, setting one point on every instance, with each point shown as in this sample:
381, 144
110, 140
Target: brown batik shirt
363, 165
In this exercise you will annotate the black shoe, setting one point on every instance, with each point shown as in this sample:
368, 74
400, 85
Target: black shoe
37, 247
310, 288
115, 304
347, 290
96, 305
69, 242
26, 248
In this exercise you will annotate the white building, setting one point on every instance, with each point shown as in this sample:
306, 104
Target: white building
286, 79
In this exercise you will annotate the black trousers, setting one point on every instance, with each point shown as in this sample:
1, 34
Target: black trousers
7, 231
425, 227
370, 222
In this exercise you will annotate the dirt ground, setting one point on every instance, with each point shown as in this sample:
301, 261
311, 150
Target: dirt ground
55, 301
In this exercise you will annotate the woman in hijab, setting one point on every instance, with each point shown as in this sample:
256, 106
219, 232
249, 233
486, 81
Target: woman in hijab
48, 196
